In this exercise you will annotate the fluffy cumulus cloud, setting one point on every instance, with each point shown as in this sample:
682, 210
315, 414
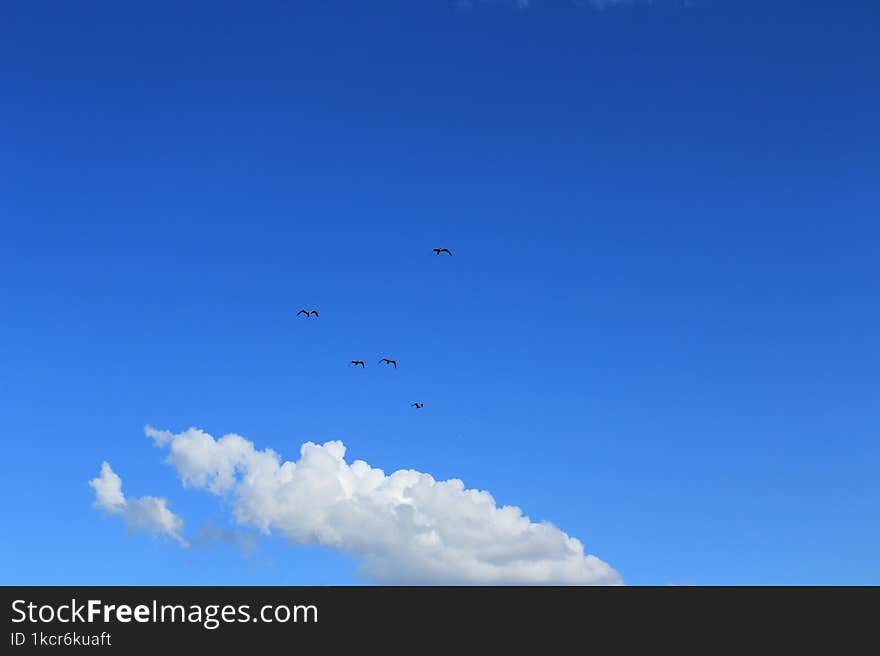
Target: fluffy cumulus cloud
405, 527
142, 514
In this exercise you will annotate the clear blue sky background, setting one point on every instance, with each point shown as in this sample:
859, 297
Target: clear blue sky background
659, 329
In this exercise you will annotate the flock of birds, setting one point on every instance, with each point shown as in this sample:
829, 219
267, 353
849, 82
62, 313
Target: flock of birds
388, 361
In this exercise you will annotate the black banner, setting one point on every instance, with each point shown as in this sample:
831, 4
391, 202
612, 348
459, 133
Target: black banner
132, 619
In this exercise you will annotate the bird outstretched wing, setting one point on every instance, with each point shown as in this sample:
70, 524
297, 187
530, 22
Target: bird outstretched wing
315, 312
305, 312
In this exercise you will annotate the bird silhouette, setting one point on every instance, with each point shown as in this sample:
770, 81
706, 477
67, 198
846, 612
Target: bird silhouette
442, 250
417, 405
359, 362
387, 361
307, 313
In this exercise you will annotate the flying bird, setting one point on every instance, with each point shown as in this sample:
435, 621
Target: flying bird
442, 250
387, 361
417, 405
359, 362
307, 313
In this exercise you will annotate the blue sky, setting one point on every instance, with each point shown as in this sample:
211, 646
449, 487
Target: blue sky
659, 329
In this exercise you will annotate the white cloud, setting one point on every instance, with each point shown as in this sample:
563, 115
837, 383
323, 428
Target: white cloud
141, 514
405, 527
108, 490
